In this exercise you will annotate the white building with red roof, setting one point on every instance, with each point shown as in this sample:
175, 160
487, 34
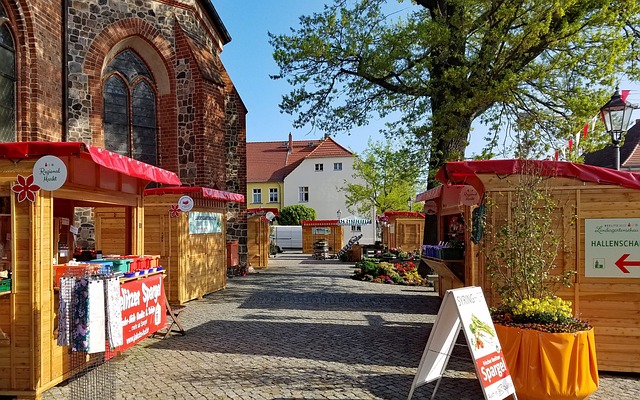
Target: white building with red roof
309, 172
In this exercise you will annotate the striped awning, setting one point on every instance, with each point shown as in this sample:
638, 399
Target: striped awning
351, 221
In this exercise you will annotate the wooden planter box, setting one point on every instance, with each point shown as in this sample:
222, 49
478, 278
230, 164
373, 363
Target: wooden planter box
550, 366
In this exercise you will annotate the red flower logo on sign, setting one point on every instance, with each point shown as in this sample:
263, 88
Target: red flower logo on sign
25, 188
174, 211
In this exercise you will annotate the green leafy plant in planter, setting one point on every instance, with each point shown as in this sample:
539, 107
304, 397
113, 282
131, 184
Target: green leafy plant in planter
401, 273
521, 248
541, 338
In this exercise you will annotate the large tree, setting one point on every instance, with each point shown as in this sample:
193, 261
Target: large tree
541, 68
383, 178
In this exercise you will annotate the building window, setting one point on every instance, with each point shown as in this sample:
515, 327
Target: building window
337, 166
319, 167
257, 196
7, 81
304, 194
273, 195
356, 228
130, 108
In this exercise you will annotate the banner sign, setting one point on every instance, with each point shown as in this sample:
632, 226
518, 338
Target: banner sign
50, 173
612, 248
205, 222
466, 309
143, 309
469, 196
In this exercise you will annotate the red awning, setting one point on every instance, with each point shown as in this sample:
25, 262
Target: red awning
430, 194
105, 158
465, 172
206, 192
320, 222
403, 214
258, 210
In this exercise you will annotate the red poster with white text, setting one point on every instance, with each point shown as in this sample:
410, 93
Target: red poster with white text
143, 309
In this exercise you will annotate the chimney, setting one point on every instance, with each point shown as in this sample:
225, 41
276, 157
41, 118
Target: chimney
327, 136
290, 148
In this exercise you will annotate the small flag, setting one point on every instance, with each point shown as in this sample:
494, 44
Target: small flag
624, 94
585, 130
570, 144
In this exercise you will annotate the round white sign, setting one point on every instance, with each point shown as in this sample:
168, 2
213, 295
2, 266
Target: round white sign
50, 173
469, 196
430, 207
185, 203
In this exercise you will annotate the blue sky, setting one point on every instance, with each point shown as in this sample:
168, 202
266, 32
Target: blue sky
248, 59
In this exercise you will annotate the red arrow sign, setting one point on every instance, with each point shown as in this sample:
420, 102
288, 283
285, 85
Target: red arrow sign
622, 263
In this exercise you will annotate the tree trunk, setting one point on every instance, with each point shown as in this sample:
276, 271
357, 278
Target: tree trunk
448, 142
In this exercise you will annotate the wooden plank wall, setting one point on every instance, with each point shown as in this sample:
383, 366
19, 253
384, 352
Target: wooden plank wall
611, 305
408, 233
195, 264
258, 230
335, 238
32, 362
23, 329
110, 229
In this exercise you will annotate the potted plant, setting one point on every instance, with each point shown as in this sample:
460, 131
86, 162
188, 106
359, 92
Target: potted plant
549, 352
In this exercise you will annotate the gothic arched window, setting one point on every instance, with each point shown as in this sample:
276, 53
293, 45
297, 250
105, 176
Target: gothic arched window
130, 108
7, 81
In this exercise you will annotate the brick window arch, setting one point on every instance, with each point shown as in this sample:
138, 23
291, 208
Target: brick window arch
130, 124
7, 81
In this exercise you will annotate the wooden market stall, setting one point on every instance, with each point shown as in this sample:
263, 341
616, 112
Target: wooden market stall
327, 229
598, 215
258, 240
403, 230
37, 230
191, 243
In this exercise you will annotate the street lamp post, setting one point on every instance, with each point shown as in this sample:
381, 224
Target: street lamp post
339, 213
410, 203
616, 115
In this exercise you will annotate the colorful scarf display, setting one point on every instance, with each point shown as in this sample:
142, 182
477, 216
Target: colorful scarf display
113, 312
67, 285
88, 333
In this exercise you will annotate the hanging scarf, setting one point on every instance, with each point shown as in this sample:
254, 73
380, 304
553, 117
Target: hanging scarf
64, 310
88, 316
113, 312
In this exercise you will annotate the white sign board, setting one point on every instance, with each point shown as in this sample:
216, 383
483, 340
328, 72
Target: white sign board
185, 203
50, 173
469, 196
466, 308
612, 248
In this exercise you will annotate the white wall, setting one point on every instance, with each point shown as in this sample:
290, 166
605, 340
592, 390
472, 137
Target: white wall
324, 196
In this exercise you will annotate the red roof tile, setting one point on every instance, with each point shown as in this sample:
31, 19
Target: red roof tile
271, 161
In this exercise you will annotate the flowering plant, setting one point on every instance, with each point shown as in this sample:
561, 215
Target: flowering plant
402, 273
521, 248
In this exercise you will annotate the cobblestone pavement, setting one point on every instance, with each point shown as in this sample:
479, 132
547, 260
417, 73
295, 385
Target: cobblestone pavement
302, 329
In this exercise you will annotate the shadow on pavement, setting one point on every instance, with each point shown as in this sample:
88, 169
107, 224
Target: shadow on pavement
391, 344
339, 301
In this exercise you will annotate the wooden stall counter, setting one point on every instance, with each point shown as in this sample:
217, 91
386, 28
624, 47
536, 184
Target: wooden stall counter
39, 223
